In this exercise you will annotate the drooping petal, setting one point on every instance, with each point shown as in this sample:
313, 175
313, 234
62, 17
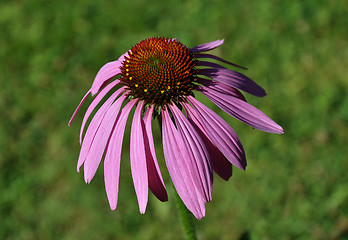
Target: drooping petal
78, 107
219, 162
95, 102
197, 151
138, 159
156, 183
112, 170
101, 139
178, 168
204, 55
242, 110
220, 87
230, 77
113, 156
94, 126
107, 72
223, 136
207, 46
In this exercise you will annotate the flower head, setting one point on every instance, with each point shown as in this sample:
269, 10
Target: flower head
158, 77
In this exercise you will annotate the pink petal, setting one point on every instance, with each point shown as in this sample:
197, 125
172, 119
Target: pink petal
78, 107
156, 183
220, 87
242, 111
219, 162
230, 77
107, 72
221, 134
94, 103
138, 159
101, 139
94, 126
178, 168
200, 158
113, 156
207, 46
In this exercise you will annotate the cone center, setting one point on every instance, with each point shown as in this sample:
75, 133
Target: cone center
158, 71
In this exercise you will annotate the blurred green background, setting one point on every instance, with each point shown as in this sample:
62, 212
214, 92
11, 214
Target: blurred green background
295, 186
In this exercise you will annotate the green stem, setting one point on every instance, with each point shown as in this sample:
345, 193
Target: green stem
186, 219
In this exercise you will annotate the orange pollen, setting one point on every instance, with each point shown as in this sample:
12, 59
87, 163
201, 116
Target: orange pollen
159, 70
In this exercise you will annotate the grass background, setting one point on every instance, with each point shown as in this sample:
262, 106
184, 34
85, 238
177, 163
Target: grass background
295, 186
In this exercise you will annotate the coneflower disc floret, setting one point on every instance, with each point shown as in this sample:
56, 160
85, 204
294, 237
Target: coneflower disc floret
158, 71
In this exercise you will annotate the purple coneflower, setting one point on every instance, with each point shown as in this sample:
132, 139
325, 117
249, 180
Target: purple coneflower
157, 77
